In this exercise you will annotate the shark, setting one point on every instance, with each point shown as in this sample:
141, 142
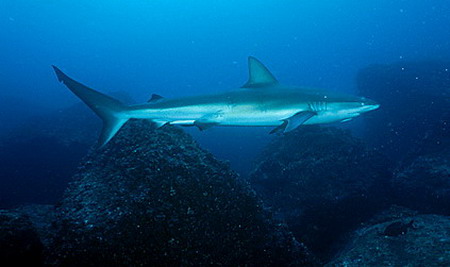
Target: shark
261, 101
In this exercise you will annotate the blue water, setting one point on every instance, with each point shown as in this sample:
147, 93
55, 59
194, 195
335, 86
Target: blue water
180, 48
176, 48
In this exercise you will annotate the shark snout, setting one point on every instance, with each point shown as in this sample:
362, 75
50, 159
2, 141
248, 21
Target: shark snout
371, 107
369, 104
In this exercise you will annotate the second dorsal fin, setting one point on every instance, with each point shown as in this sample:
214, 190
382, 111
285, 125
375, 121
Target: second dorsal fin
258, 75
155, 98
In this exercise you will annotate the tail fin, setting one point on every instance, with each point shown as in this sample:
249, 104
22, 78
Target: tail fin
110, 110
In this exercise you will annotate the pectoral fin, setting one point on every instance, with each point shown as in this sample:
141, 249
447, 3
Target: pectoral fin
209, 120
293, 122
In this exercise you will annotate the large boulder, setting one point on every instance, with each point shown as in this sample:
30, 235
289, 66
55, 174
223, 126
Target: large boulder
422, 180
423, 241
153, 197
322, 182
424, 183
414, 98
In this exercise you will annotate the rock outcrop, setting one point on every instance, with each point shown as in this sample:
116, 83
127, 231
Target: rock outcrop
424, 184
322, 182
153, 197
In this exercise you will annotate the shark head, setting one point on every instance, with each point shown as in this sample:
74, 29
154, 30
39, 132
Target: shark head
359, 105
349, 108
367, 104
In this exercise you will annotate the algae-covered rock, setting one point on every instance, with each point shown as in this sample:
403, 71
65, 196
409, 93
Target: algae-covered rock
323, 182
425, 243
153, 197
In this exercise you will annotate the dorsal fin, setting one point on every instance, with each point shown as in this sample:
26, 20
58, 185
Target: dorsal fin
258, 74
155, 98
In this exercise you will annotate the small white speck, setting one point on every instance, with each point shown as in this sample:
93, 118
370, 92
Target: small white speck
403, 68
325, 96
417, 78
401, 57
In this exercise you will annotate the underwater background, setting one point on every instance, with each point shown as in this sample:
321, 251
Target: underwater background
374, 191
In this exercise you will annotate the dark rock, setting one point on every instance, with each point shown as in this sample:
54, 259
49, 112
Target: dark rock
322, 182
415, 100
424, 184
153, 197
19, 242
43, 219
427, 244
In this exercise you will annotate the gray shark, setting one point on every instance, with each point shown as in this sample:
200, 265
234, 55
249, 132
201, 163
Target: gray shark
262, 101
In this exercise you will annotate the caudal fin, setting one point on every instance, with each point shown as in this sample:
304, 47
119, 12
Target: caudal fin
110, 110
